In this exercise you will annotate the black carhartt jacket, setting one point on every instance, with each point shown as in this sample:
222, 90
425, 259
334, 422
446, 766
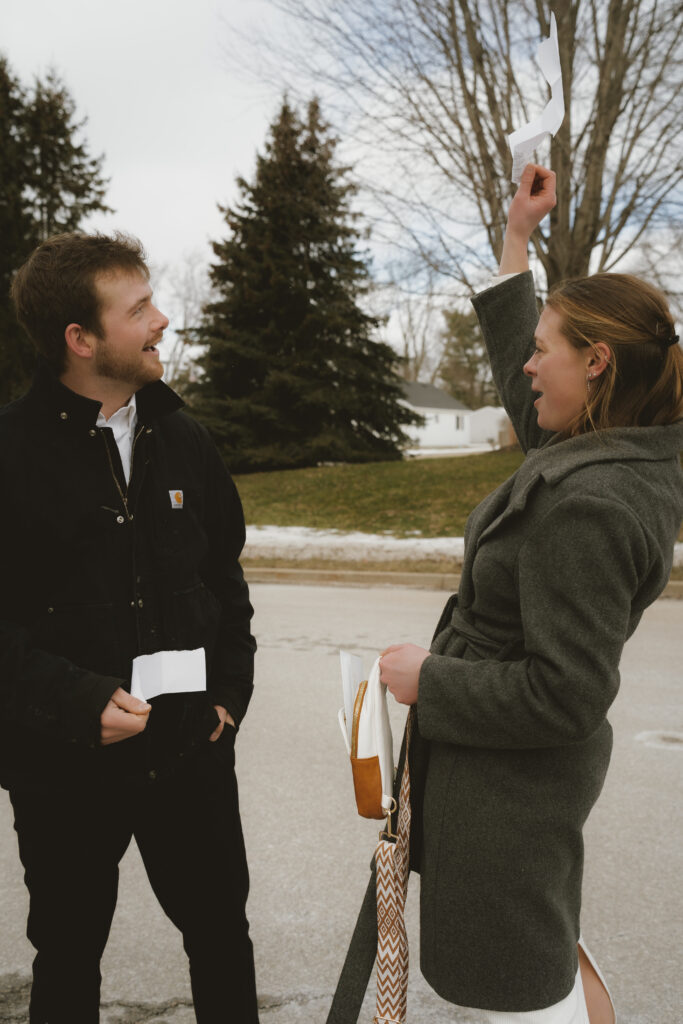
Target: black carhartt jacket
95, 572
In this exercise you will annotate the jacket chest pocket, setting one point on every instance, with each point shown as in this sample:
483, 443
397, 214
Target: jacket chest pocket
178, 528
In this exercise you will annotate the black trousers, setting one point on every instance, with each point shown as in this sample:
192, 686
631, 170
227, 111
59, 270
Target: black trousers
187, 827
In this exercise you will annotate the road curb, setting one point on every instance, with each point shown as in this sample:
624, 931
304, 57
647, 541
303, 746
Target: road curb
374, 578
354, 578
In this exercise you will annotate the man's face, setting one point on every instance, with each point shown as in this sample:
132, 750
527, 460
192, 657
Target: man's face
132, 327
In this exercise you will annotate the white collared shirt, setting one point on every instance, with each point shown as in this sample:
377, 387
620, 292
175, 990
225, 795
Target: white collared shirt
122, 422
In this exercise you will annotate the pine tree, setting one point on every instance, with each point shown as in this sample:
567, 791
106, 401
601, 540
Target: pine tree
464, 367
16, 354
64, 183
292, 374
48, 184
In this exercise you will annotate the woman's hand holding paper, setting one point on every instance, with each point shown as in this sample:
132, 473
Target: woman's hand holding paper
534, 199
400, 666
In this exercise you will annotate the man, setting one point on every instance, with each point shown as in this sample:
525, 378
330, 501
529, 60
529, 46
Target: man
120, 533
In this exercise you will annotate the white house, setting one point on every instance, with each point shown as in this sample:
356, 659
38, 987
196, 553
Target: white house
491, 424
450, 424
446, 419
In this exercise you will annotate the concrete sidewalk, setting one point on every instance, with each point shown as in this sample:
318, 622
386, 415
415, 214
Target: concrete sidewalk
309, 852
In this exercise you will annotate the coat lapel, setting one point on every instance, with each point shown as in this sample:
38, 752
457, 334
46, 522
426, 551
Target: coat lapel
553, 462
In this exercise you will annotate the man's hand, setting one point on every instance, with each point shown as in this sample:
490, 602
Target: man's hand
224, 717
534, 198
399, 669
123, 717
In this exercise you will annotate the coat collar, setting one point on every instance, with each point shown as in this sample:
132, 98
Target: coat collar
51, 399
559, 458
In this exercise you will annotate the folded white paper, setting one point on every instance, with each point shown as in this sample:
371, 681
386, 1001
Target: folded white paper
524, 141
168, 672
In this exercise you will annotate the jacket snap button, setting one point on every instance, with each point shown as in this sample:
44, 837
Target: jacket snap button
140, 602
50, 611
149, 430
152, 774
93, 432
63, 415
132, 604
120, 519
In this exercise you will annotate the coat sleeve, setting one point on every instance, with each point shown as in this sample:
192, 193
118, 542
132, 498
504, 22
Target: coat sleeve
47, 693
508, 315
230, 683
578, 576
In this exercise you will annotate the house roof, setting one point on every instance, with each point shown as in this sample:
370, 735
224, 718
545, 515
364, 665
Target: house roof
427, 396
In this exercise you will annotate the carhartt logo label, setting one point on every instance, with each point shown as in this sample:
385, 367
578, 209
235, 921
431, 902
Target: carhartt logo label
176, 499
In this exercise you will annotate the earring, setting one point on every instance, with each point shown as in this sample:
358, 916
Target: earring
589, 378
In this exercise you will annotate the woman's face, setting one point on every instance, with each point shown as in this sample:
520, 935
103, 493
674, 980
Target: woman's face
558, 373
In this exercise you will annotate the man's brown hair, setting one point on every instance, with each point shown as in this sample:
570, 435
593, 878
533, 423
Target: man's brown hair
642, 384
56, 286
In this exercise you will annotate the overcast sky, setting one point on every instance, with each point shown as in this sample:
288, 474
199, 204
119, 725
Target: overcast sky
175, 121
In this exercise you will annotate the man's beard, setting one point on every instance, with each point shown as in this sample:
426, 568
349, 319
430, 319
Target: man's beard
135, 370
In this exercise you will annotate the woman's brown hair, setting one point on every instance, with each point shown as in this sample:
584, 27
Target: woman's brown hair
642, 384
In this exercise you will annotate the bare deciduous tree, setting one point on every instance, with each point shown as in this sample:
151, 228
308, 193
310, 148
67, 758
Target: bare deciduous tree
421, 343
431, 88
185, 288
659, 259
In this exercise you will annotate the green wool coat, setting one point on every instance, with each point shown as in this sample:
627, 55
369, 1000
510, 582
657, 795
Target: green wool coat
560, 563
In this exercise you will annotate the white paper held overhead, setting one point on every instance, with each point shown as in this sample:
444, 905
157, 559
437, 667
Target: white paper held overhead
524, 141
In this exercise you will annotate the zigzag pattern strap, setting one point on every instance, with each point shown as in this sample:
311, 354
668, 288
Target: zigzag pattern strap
392, 860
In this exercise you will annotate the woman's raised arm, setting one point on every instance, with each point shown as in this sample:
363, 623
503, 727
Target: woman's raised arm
508, 312
534, 198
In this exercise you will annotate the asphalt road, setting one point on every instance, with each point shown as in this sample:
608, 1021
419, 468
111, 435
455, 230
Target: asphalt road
309, 852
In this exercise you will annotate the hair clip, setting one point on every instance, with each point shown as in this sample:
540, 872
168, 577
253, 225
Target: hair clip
666, 342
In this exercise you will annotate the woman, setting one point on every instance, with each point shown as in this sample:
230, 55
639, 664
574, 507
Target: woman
560, 562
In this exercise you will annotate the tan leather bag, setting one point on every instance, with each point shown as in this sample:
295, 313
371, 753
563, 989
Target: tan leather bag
370, 747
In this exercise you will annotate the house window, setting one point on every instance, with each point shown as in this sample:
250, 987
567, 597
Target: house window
459, 422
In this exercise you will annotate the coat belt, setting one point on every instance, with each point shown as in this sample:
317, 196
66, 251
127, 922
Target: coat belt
484, 645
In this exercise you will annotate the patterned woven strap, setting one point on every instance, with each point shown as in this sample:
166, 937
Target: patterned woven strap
392, 860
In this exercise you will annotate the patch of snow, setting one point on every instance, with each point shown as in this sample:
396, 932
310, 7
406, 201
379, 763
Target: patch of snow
304, 542
433, 453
